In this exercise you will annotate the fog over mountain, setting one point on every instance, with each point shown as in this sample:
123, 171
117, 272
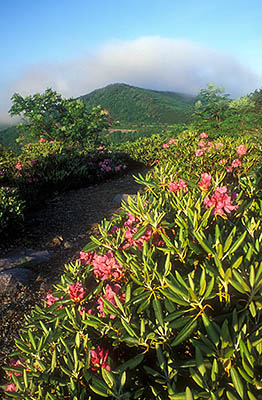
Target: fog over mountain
150, 62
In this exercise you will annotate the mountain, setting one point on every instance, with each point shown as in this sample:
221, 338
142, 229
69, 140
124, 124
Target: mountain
132, 105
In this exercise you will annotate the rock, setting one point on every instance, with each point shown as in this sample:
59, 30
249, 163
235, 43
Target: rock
26, 258
12, 280
120, 197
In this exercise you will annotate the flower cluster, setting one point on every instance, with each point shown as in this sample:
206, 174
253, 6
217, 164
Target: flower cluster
106, 267
205, 181
110, 291
221, 201
99, 359
11, 387
76, 292
50, 300
176, 186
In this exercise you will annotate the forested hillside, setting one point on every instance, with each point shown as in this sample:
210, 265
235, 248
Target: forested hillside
133, 105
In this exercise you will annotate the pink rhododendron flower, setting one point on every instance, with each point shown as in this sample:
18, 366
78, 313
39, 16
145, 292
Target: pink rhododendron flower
86, 258
100, 148
131, 219
42, 140
221, 200
210, 144
241, 150
165, 146
99, 359
10, 388
203, 135
15, 363
76, 292
109, 294
236, 163
200, 152
114, 229
19, 165
124, 166
229, 169
50, 299
130, 231
171, 141
117, 169
107, 266
219, 145
202, 143
51, 142
205, 181
176, 186
223, 161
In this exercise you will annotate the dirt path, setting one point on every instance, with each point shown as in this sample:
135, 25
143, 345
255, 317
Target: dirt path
63, 226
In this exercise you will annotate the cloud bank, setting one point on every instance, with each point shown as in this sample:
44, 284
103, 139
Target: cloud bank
150, 62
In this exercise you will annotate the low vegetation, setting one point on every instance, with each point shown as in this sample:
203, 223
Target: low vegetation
165, 303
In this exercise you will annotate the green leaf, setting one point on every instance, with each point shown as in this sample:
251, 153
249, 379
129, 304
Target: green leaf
236, 245
200, 362
237, 382
99, 387
139, 233
185, 332
210, 329
189, 394
128, 328
158, 311
108, 377
131, 364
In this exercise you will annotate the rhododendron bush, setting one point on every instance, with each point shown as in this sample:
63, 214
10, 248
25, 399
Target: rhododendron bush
165, 303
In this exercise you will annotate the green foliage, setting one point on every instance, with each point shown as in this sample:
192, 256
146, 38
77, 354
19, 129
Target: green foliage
211, 106
11, 211
52, 117
131, 105
166, 302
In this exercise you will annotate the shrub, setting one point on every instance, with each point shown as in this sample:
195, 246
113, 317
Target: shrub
164, 304
11, 211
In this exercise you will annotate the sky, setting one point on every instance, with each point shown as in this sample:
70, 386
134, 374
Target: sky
76, 46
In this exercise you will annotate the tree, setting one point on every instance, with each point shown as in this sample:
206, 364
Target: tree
53, 117
211, 105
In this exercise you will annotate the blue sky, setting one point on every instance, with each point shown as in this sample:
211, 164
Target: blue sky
76, 46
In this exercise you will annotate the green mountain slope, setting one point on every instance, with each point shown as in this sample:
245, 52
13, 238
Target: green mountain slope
129, 104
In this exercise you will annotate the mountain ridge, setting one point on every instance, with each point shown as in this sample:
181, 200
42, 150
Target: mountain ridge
130, 104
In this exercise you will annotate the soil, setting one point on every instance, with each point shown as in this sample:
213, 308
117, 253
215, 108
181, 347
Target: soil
63, 226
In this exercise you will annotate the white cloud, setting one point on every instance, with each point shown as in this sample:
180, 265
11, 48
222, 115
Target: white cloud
150, 62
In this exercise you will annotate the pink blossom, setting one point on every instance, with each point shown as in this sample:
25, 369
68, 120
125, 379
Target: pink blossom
10, 388
76, 292
165, 146
241, 150
202, 143
90, 311
30, 180
236, 163
99, 359
131, 219
176, 186
50, 299
200, 152
221, 200
35, 179
86, 258
109, 294
205, 181
210, 144
124, 166
15, 363
130, 232
117, 169
51, 142
100, 148
203, 135
107, 266
42, 140
219, 145
229, 169
19, 165
171, 141
223, 161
